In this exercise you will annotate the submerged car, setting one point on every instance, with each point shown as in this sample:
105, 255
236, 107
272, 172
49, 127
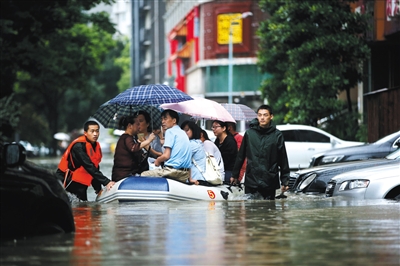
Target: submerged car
314, 180
302, 142
378, 182
378, 149
32, 200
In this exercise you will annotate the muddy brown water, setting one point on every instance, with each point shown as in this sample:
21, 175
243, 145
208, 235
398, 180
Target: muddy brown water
299, 230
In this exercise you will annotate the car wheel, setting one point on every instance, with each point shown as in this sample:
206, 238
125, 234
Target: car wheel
394, 194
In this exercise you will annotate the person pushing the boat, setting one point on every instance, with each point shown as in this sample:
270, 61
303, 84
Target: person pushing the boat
79, 165
177, 155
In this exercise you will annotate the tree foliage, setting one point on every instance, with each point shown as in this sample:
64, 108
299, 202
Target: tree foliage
53, 53
314, 50
124, 62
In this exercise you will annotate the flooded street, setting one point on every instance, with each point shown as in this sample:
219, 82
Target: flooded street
299, 230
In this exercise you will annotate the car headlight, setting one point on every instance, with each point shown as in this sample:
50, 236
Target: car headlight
331, 159
354, 184
307, 181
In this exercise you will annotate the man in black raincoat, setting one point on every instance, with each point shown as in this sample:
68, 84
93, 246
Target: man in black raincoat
267, 163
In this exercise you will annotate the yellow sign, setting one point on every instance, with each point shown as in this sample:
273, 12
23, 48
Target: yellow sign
227, 21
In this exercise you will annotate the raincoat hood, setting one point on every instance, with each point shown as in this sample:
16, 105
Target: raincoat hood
254, 124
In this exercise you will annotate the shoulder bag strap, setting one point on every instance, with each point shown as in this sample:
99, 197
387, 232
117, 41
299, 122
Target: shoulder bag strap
197, 166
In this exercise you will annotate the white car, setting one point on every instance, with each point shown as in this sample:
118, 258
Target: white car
378, 182
302, 142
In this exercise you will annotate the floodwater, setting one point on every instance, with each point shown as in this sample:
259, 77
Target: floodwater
299, 230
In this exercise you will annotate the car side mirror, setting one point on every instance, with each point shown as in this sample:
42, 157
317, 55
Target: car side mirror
13, 154
333, 142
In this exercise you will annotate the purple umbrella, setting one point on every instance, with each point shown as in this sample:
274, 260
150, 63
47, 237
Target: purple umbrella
240, 111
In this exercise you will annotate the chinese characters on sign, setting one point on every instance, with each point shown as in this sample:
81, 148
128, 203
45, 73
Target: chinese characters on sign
224, 22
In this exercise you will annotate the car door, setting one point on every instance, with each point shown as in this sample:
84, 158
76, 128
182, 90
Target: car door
312, 142
301, 144
293, 148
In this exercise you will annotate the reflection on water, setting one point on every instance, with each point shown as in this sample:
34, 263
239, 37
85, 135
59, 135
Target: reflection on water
299, 230
295, 231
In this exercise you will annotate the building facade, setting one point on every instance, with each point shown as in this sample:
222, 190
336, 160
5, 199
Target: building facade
197, 52
141, 21
381, 85
147, 42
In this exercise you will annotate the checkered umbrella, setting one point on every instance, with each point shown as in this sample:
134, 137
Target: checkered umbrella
109, 114
152, 94
240, 111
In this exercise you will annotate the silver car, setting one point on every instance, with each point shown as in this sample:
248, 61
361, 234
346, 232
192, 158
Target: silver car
379, 182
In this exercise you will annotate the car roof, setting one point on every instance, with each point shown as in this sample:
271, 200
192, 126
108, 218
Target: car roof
359, 149
374, 172
347, 166
304, 127
296, 126
324, 167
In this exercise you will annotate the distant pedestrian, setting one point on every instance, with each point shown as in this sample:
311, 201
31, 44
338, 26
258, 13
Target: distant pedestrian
267, 163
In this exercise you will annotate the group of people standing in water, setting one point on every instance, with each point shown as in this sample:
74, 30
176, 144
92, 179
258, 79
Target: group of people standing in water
179, 152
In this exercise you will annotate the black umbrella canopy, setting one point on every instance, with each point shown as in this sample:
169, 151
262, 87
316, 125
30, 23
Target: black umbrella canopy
109, 114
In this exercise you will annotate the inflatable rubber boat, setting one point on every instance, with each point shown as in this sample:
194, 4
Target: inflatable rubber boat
137, 188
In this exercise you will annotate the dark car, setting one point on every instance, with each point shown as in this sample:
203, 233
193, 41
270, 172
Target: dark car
378, 149
314, 180
32, 200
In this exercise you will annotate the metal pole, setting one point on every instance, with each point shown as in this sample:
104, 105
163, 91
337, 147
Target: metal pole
230, 64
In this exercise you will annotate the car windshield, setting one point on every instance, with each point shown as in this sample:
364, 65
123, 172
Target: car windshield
394, 155
387, 138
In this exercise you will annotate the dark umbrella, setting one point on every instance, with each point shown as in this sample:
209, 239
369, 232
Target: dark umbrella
152, 94
109, 114
143, 97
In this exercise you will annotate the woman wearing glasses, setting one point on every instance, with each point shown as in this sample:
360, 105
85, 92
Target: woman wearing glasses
226, 143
